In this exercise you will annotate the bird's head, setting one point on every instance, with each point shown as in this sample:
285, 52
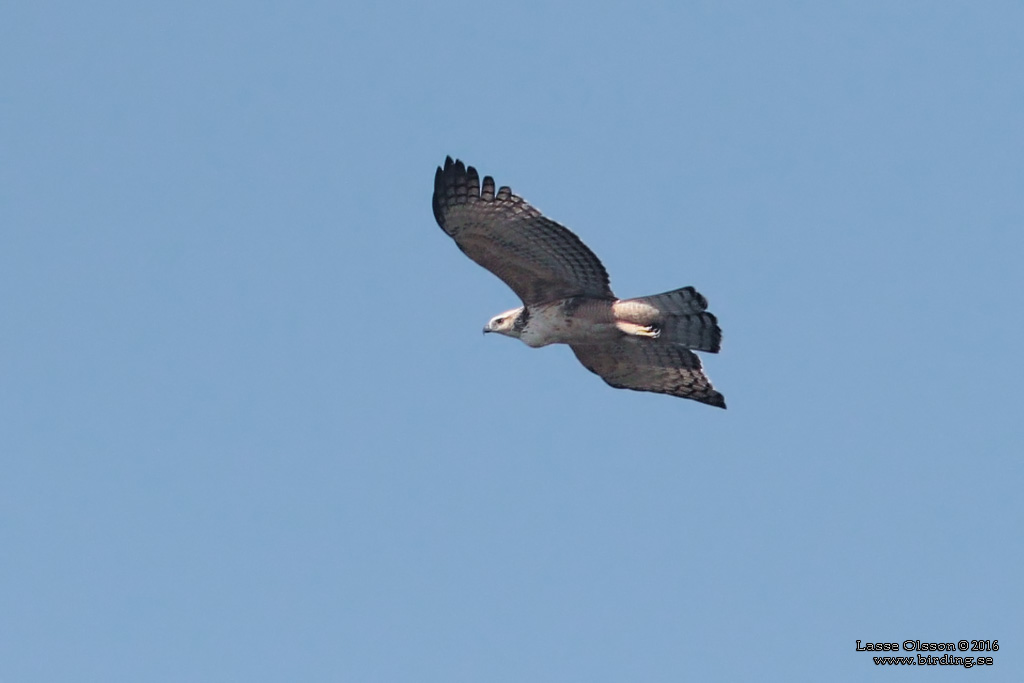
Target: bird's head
505, 323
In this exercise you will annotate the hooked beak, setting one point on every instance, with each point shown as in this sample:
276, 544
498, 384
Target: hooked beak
487, 328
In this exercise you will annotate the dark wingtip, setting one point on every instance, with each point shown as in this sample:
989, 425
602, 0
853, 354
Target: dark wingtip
473, 178
453, 183
442, 173
487, 189
438, 192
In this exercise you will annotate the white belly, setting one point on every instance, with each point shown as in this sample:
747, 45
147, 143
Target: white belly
565, 322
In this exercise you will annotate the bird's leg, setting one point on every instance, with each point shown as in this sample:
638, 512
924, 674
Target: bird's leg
652, 331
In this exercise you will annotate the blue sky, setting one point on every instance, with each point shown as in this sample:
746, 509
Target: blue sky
250, 429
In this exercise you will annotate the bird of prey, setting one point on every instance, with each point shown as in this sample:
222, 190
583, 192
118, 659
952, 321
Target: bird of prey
645, 344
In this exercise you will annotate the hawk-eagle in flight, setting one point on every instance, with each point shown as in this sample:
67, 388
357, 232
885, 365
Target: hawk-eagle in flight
643, 344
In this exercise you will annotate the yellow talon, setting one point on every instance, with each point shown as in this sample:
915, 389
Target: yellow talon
652, 331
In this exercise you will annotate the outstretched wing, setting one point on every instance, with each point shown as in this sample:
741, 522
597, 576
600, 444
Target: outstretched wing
649, 365
538, 258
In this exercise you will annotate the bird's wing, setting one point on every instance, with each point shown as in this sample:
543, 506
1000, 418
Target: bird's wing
649, 365
538, 258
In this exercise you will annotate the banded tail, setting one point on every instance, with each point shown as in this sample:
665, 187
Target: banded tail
676, 317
